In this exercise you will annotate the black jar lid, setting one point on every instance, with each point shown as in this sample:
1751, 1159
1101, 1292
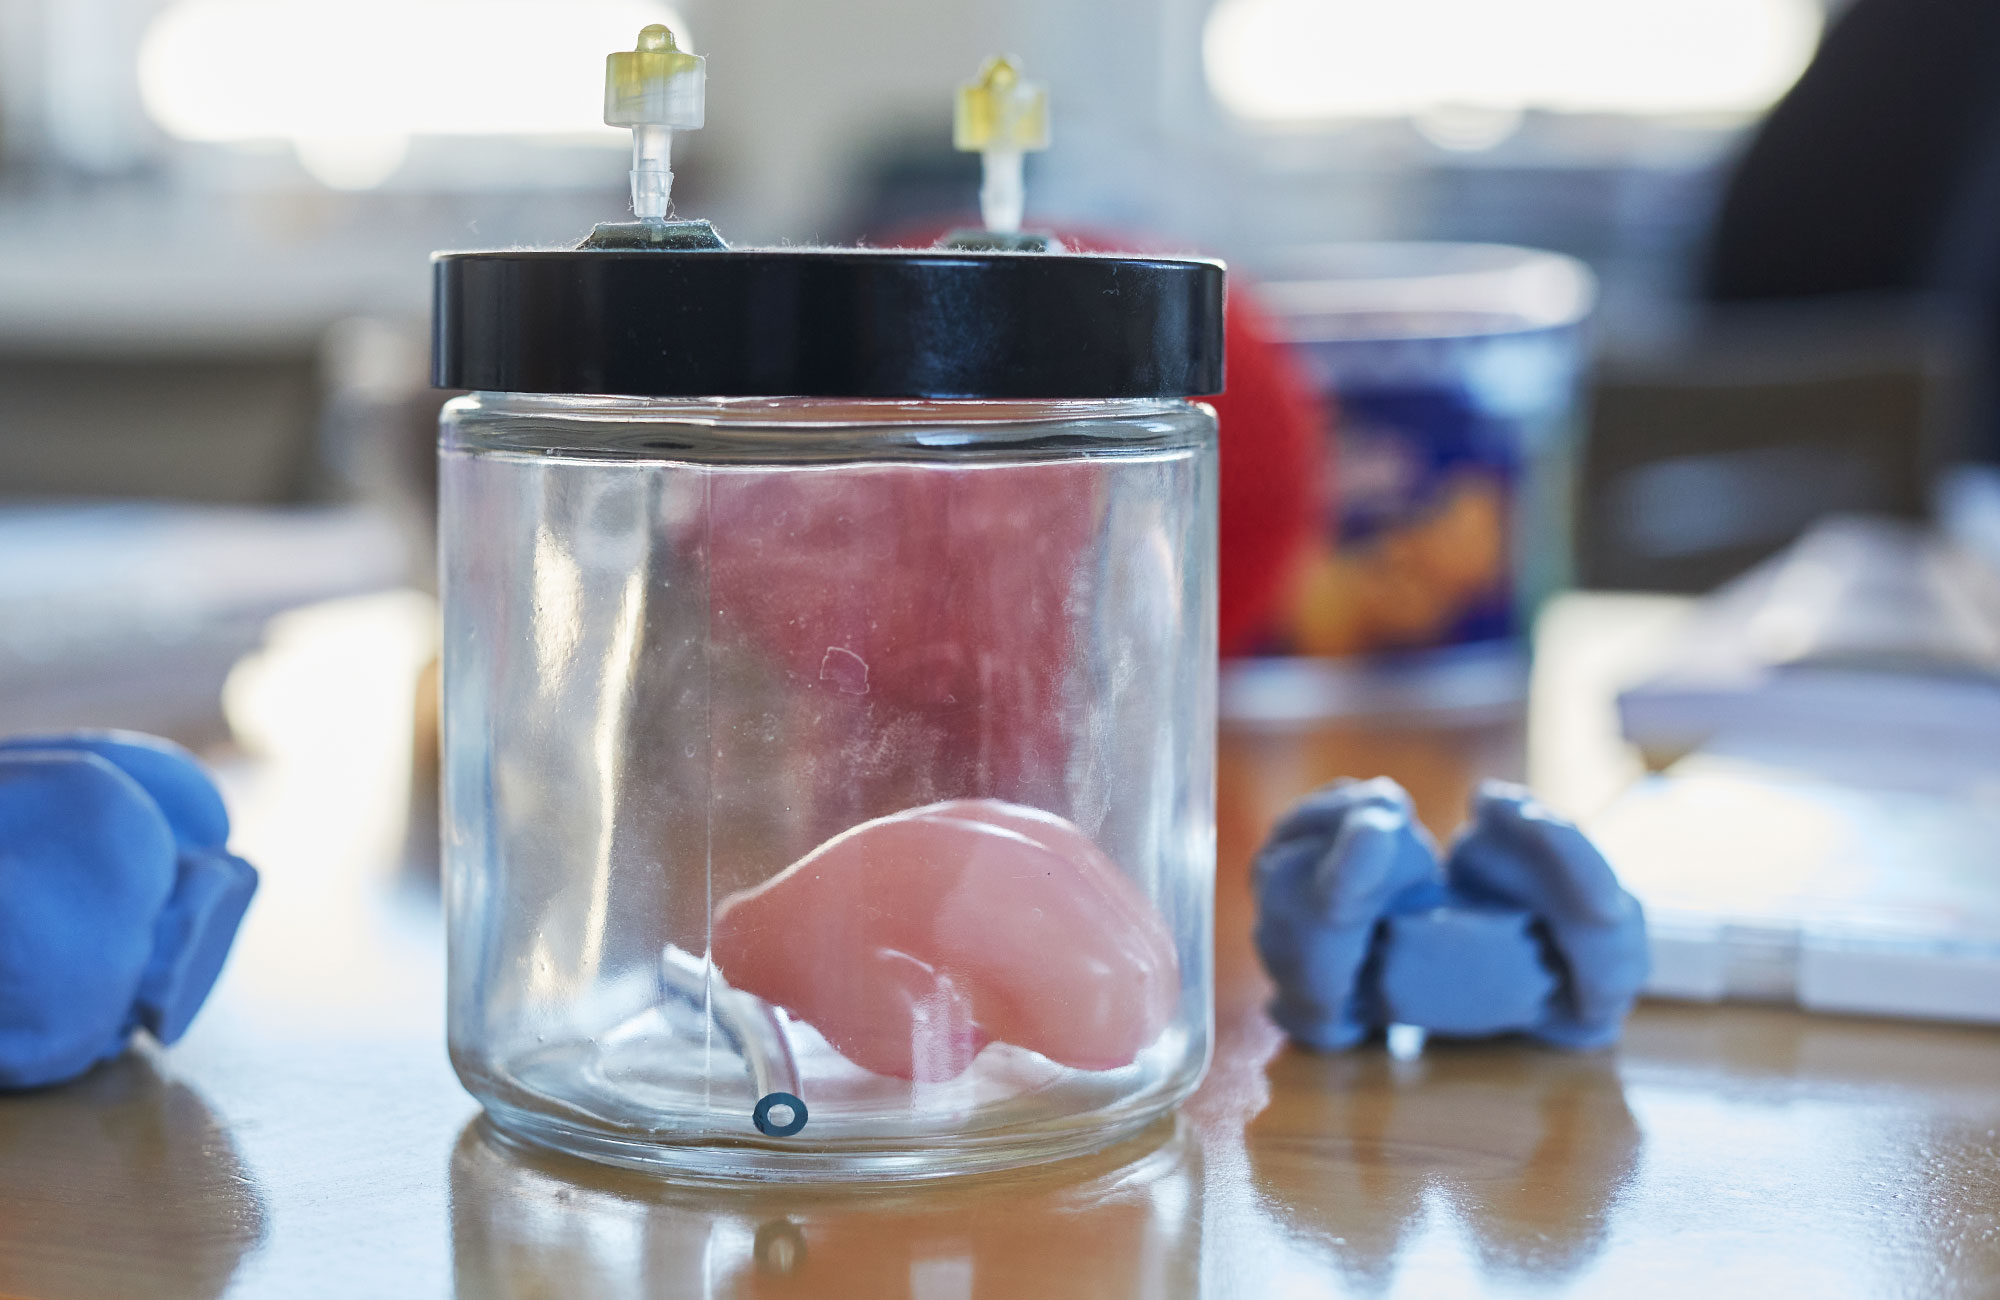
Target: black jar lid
828, 323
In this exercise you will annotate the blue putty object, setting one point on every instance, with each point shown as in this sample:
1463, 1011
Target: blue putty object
1523, 928
118, 898
1344, 858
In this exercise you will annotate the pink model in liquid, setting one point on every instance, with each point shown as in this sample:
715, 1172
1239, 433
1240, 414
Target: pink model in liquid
914, 940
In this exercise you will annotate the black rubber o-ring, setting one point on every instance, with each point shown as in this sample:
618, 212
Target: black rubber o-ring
761, 1116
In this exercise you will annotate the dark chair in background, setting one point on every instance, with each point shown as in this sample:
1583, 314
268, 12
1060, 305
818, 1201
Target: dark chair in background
1849, 319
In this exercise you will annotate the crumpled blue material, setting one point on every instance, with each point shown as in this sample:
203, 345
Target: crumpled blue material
1521, 928
118, 898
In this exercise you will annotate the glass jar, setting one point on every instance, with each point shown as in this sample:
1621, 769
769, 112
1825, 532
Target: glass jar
828, 779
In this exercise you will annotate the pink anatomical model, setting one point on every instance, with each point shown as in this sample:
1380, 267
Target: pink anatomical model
912, 941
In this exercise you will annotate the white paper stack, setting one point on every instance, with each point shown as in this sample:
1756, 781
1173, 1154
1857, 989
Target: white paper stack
1831, 836
1766, 882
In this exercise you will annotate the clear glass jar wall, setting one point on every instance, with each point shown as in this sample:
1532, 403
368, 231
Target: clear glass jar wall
860, 753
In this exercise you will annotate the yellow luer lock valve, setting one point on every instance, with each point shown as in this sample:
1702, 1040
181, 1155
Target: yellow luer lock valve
1001, 117
1001, 111
656, 89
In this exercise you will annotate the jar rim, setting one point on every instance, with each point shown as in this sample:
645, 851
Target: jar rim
818, 412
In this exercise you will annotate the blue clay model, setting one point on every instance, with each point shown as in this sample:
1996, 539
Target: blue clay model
1522, 929
118, 899
1462, 972
1346, 857
1519, 854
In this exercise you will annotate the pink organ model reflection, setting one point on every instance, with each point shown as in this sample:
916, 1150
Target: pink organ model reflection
919, 619
912, 941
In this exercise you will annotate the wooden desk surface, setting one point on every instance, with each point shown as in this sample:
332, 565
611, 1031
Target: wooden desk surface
308, 1138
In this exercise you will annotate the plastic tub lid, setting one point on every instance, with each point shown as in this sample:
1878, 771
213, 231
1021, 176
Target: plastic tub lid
1391, 291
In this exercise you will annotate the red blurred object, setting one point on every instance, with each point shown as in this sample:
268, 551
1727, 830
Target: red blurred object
880, 607
1277, 485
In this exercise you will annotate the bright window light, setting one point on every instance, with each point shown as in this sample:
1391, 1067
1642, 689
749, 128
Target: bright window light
348, 84
1291, 61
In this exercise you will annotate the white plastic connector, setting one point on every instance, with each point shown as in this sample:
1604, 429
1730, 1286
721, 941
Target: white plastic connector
656, 89
1003, 195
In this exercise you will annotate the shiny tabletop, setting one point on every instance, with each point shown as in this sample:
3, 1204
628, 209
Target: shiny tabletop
308, 1138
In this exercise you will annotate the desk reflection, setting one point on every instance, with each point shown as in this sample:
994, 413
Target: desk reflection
531, 1224
151, 1188
1525, 1150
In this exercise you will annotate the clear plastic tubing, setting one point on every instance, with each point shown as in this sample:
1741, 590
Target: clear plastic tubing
829, 782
